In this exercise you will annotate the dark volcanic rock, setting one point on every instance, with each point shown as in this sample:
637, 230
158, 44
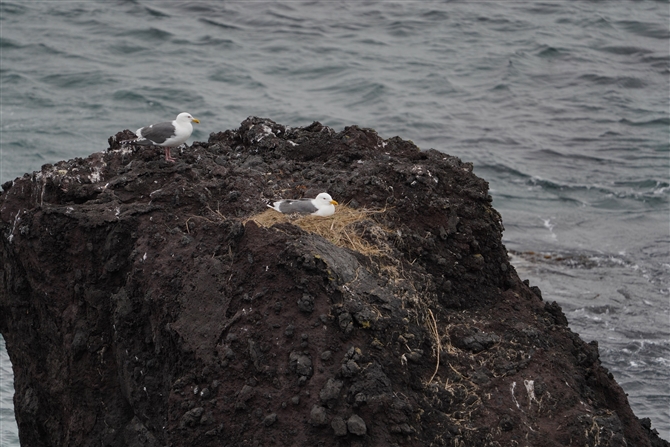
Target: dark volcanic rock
356, 425
141, 307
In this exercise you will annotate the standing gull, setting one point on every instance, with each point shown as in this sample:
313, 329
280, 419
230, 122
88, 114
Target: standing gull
323, 205
168, 134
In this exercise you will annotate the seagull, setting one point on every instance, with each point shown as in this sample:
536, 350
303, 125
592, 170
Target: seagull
323, 205
168, 134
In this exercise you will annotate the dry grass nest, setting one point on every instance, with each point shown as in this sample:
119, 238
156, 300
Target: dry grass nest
346, 228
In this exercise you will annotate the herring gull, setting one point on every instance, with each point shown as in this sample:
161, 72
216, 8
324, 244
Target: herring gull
168, 134
323, 205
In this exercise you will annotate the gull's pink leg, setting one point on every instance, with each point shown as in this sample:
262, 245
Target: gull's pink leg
168, 157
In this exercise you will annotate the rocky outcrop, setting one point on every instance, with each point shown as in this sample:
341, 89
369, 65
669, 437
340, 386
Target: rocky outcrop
144, 304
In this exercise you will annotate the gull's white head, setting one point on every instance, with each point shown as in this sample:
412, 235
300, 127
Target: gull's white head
324, 204
324, 199
187, 118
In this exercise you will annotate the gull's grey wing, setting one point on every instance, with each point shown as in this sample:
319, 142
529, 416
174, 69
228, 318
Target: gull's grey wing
303, 206
158, 133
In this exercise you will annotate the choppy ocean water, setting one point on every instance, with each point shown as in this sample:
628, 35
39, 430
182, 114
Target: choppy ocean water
561, 106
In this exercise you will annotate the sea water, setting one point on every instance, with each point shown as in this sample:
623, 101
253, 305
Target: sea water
561, 106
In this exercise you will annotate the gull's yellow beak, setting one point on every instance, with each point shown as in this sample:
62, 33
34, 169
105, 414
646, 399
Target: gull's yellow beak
334, 202
196, 120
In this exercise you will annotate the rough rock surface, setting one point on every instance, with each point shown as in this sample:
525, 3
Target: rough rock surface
141, 308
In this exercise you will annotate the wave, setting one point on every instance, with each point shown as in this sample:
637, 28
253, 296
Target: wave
625, 50
653, 192
621, 81
646, 29
653, 122
218, 24
76, 80
147, 35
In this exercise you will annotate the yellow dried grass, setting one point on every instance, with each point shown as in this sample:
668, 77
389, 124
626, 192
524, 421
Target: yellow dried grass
339, 228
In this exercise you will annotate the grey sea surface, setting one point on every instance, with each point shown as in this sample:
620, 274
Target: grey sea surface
562, 106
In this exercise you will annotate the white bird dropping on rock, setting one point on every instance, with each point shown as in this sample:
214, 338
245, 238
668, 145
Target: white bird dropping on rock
323, 205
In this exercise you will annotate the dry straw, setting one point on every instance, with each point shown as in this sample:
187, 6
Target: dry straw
342, 229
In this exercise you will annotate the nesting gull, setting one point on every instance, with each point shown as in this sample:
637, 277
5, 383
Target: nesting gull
323, 205
168, 134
